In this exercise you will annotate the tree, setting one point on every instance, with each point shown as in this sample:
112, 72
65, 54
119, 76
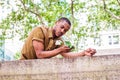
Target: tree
17, 55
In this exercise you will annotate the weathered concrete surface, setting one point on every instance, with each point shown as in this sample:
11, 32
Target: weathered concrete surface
108, 51
85, 68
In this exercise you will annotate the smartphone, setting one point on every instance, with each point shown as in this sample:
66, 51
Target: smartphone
72, 47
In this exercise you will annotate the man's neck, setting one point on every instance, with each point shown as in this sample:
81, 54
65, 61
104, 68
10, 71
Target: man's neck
54, 36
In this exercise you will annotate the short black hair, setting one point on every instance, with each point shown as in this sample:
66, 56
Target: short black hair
65, 19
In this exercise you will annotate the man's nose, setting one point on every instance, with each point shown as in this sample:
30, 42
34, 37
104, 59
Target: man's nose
63, 31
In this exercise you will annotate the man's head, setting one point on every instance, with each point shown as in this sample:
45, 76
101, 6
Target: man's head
61, 27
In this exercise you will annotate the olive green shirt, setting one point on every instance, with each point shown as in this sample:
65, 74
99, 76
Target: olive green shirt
42, 34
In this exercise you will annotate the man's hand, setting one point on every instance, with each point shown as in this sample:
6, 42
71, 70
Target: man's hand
89, 52
64, 49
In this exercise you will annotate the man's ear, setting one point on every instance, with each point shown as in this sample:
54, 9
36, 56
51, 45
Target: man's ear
56, 22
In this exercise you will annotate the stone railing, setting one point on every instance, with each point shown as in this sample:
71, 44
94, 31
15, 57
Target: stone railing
84, 68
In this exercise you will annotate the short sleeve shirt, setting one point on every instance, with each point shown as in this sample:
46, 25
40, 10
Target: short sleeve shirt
38, 34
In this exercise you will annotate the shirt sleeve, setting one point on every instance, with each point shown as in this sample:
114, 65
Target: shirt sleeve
38, 34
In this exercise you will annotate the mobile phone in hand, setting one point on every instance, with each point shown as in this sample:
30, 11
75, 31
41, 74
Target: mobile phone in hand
72, 47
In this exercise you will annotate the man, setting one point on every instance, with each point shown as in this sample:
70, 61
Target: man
41, 41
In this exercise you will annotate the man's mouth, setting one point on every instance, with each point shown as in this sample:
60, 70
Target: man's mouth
59, 34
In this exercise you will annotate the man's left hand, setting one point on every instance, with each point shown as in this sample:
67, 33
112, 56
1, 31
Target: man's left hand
89, 52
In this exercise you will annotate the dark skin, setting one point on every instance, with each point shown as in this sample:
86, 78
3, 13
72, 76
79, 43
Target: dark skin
59, 29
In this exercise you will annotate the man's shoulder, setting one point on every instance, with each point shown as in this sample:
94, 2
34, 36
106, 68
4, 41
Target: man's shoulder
42, 26
39, 28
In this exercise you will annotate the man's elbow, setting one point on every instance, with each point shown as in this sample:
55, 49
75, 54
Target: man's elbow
39, 55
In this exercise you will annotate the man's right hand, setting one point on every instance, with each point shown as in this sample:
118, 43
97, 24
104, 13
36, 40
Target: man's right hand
64, 49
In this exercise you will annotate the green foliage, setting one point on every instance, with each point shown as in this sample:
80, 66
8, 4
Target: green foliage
1, 41
68, 43
17, 55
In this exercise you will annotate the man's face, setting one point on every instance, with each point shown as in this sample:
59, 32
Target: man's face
60, 28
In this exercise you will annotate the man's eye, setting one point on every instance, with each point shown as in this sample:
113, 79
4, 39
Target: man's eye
62, 27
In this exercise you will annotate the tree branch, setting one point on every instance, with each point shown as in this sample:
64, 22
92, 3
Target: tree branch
118, 2
108, 11
36, 13
72, 11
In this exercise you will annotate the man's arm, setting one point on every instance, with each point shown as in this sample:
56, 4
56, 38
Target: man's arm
40, 53
72, 55
87, 52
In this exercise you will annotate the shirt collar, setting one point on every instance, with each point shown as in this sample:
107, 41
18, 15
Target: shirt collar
50, 34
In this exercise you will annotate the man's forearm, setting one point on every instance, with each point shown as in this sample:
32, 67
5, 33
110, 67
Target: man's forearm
73, 55
48, 54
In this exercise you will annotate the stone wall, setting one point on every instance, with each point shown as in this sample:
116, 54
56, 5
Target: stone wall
108, 51
84, 68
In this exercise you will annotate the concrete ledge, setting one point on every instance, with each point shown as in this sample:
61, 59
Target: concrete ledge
105, 67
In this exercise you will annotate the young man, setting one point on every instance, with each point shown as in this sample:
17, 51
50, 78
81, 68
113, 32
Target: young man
40, 43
